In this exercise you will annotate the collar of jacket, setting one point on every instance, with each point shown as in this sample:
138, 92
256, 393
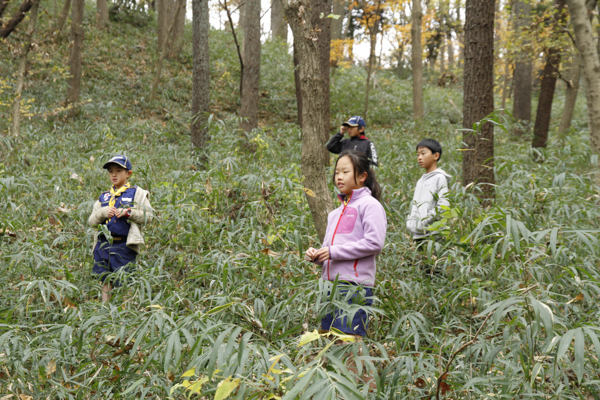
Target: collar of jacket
356, 194
361, 137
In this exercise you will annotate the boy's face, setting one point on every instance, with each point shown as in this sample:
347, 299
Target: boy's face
118, 175
355, 131
426, 158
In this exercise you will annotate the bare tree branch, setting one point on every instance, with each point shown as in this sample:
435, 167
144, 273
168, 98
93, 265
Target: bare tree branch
16, 18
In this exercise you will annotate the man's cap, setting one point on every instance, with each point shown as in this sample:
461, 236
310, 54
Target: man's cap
119, 160
355, 121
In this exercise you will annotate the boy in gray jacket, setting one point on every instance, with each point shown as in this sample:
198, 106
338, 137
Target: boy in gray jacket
430, 192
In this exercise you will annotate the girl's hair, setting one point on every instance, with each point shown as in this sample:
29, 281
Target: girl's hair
361, 164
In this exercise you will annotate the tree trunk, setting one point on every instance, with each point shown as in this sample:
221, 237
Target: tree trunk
16, 19
177, 37
478, 156
251, 74
62, 18
163, 48
16, 114
443, 55
279, 28
417, 59
591, 66
548, 84
372, 45
339, 8
75, 58
167, 10
297, 82
102, 14
505, 86
450, 51
298, 13
573, 76
523, 67
3, 5
200, 77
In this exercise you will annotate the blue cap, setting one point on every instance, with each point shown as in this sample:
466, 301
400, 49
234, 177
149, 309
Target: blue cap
119, 160
355, 121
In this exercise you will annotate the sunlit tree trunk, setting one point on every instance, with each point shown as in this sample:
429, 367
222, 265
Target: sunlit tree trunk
251, 73
75, 58
16, 114
201, 77
339, 8
298, 13
417, 59
478, 156
572, 76
102, 14
523, 66
279, 28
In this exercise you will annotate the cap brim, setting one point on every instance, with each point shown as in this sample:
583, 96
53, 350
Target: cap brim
116, 163
347, 124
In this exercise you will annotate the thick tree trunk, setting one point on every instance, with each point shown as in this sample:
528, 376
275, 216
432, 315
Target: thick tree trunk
548, 84
590, 65
417, 59
297, 84
573, 77
478, 156
200, 77
279, 28
75, 58
251, 74
337, 25
102, 14
16, 19
163, 48
523, 67
298, 13
16, 114
62, 18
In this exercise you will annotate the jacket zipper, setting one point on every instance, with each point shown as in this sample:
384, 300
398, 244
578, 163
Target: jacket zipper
355, 264
335, 231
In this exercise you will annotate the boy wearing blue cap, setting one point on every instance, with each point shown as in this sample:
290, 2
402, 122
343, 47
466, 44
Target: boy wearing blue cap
355, 127
122, 209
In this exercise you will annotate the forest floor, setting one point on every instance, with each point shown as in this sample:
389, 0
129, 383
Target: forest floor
220, 295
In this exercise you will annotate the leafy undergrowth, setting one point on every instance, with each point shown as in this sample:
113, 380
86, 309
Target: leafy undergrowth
220, 296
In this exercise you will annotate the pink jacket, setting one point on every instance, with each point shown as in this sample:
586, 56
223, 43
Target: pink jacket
355, 236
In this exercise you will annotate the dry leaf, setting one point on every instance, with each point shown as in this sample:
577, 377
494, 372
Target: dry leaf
443, 385
241, 255
51, 368
63, 210
52, 220
92, 158
309, 192
268, 252
77, 178
577, 299
25, 397
208, 186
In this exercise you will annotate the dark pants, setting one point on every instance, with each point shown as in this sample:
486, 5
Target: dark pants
338, 319
110, 258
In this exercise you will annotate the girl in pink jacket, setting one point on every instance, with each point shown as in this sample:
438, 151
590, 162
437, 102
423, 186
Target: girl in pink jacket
355, 236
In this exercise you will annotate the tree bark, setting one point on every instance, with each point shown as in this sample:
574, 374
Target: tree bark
548, 84
443, 54
16, 19
200, 77
298, 13
450, 51
523, 67
573, 77
505, 85
279, 28
16, 114
297, 84
590, 65
177, 37
62, 18
163, 49
251, 73
337, 25
478, 156
417, 59
3, 5
102, 14
167, 15
75, 58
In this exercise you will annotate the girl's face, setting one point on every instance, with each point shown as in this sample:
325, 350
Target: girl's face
345, 179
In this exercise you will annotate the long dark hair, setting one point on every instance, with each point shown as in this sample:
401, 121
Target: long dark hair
361, 164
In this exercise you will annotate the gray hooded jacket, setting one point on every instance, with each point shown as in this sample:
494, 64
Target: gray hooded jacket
430, 195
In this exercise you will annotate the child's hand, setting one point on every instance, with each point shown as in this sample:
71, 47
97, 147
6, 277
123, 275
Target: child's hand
343, 129
322, 254
112, 211
122, 212
310, 254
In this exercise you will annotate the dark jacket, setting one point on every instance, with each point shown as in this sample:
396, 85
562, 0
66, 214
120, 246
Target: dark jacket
336, 145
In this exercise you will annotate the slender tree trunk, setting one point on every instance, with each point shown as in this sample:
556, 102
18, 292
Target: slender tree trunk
163, 49
443, 55
16, 114
417, 59
523, 67
102, 14
177, 37
505, 85
166, 16
372, 45
251, 74
573, 76
201, 77
478, 156
16, 19
460, 35
75, 58
584, 36
339, 8
297, 82
279, 28
450, 51
298, 13
62, 18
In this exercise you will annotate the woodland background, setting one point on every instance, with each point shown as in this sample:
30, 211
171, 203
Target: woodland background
221, 299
